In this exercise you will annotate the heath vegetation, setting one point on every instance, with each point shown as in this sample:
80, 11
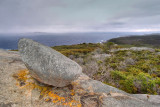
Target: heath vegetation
130, 70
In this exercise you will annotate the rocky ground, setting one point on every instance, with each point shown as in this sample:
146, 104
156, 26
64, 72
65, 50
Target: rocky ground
85, 92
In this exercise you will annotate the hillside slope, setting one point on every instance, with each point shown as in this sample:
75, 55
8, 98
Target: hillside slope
145, 40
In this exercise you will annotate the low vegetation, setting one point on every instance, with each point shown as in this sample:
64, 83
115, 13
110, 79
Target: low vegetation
152, 40
131, 71
134, 71
76, 50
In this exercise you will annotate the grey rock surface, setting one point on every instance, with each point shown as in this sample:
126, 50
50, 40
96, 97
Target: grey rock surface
101, 56
12, 95
134, 49
120, 100
95, 86
113, 97
47, 65
149, 98
90, 92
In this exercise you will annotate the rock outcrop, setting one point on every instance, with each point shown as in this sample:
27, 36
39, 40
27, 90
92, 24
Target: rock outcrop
113, 97
47, 65
134, 49
19, 89
85, 91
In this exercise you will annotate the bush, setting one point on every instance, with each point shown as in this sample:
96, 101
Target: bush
76, 50
140, 75
107, 46
131, 71
118, 75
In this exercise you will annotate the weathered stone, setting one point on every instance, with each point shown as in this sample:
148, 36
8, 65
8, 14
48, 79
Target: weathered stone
149, 98
89, 92
94, 86
109, 96
47, 65
120, 100
134, 49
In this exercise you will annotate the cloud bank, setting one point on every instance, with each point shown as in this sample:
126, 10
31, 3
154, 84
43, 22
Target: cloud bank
79, 15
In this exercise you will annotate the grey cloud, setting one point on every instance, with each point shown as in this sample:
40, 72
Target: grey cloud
142, 8
78, 14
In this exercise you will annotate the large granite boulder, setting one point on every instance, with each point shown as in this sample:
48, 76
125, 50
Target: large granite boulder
84, 90
47, 65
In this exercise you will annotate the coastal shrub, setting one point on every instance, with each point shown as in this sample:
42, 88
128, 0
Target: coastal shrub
141, 83
107, 46
134, 71
128, 85
76, 50
129, 61
157, 50
131, 71
118, 75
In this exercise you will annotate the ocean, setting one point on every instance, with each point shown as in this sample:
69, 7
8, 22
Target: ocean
9, 41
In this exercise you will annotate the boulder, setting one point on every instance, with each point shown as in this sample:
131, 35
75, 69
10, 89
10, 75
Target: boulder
84, 91
47, 65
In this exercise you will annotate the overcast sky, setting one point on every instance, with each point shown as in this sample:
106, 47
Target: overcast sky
79, 15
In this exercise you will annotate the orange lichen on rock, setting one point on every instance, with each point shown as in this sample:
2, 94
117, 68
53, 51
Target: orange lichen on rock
72, 103
55, 98
72, 92
21, 75
46, 92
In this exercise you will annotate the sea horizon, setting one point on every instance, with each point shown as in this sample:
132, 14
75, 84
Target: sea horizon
8, 41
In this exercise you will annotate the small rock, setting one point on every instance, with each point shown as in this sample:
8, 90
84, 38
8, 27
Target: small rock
134, 49
142, 48
47, 65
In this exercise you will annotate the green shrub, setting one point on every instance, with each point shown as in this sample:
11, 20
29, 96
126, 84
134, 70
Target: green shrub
76, 50
131, 71
128, 85
141, 76
118, 75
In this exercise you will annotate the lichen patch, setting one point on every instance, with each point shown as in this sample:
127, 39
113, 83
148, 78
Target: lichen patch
64, 96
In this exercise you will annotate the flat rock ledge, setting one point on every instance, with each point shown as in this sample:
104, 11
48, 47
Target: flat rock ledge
113, 97
134, 49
